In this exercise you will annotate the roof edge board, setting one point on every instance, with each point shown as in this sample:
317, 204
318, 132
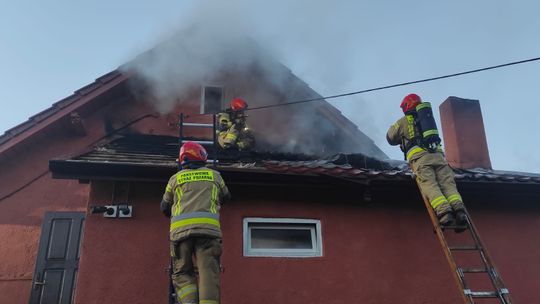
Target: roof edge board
61, 108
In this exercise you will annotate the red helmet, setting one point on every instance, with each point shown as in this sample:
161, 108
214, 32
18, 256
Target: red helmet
192, 151
238, 104
410, 102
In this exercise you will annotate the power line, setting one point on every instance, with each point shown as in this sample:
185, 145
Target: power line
394, 85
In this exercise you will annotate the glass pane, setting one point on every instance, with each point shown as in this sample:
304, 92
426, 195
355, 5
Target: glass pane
212, 99
281, 238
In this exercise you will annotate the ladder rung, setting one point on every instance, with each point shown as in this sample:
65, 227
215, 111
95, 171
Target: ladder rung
474, 270
454, 227
482, 294
485, 294
202, 142
464, 248
194, 124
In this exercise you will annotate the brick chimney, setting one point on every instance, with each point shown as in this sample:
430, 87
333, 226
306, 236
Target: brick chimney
465, 141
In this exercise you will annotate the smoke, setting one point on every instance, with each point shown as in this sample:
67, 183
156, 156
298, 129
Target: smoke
193, 56
214, 37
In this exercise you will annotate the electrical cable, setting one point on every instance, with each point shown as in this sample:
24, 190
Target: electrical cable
23, 186
287, 103
91, 144
394, 85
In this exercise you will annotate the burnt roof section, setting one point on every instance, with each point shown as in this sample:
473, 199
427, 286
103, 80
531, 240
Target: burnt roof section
57, 106
155, 150
136, 152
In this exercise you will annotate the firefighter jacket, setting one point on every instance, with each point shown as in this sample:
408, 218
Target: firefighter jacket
404, 134
433, 175
195, 197
234, 133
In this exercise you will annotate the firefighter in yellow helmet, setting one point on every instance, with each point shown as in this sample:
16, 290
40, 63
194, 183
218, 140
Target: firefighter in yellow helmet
233, 132
417, 135
192, 200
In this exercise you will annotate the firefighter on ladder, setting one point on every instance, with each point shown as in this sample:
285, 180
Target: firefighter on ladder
417, 135
232, 131
192, 200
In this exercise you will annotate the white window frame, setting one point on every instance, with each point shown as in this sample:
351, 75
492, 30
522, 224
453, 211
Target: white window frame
203, 96
281, 223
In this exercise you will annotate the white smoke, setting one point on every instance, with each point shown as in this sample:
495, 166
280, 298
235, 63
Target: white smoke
318, 40
214, 38
211, 36
193, 56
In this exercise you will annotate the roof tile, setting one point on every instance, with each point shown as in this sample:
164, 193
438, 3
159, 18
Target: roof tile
65, 102
108, 77
43, 114
127, 149
33, 120
88, 88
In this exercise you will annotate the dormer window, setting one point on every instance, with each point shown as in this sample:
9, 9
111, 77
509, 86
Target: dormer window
211, 99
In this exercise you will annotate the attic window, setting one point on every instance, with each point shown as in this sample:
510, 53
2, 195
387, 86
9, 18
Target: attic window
282, 237
211, 98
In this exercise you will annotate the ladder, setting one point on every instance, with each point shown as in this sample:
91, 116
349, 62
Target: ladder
182, 124
499, 293
172, 291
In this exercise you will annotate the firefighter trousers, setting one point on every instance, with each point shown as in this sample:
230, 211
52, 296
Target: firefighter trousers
207, 252
436, 181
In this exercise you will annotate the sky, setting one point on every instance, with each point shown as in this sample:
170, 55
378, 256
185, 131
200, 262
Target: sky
48, 49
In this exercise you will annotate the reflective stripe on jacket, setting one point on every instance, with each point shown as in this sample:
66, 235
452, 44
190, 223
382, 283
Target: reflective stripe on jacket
195, 196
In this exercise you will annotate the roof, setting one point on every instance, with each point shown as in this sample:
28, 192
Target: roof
104, 83
143, 154
78, 98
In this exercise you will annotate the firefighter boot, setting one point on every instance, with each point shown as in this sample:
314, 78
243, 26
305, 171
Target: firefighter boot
444, 214
461, 220
446, 219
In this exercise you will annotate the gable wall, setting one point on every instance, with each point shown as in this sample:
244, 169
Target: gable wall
27, 190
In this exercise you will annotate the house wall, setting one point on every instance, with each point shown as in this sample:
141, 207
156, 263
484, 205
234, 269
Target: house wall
125, 260
27, 191
382, 252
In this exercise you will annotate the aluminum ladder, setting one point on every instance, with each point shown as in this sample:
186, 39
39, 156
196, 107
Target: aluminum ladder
182, 124
499, 293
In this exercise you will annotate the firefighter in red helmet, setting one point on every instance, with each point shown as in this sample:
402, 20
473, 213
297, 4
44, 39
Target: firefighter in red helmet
233, 132
238, 104
417, 135
192, 200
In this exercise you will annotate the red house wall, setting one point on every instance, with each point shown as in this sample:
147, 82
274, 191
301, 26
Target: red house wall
375, 253
125, 260
27, 191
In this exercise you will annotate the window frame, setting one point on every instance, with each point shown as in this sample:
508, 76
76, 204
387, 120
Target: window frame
203, 97
283, 223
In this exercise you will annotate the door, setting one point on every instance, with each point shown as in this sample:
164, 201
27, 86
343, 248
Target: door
58, 258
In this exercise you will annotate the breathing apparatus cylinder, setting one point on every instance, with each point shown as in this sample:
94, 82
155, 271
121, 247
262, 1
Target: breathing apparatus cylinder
428, 126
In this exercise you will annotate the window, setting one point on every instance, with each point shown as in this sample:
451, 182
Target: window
282, 237
211, 98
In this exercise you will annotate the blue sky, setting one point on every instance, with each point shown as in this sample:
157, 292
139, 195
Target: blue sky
48, 49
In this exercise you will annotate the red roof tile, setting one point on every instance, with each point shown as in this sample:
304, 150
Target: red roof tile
57, 106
